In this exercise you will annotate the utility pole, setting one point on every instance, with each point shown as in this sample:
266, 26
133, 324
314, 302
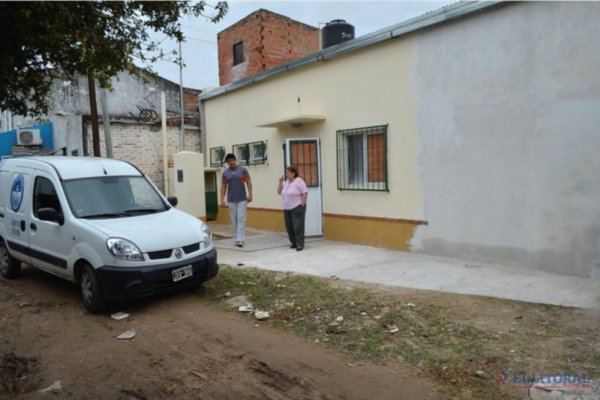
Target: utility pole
181, 126
94, 114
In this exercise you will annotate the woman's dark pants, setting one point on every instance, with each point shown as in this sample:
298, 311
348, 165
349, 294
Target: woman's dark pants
294, 224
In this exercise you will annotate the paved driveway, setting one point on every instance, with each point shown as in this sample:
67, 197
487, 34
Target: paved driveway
270, 251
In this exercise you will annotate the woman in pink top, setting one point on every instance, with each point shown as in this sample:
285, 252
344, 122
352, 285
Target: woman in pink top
294, 194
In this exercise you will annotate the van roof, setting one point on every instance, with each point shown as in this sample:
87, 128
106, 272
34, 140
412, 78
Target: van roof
79, 167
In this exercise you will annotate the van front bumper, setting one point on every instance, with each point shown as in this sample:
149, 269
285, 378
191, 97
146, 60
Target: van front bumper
122, 283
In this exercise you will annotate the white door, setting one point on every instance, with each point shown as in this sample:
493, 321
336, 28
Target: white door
305, 154
50, 243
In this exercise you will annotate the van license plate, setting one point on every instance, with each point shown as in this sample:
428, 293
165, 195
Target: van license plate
182, 273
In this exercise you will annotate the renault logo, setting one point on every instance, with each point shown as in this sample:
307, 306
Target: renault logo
178, 253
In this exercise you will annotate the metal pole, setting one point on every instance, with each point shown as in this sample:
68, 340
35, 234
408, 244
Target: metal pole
163, 117
203, 131
181, 127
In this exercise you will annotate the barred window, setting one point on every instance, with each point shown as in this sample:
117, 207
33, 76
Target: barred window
303, 155
251, 153
241, 153
217, 156
258, 152
362, 158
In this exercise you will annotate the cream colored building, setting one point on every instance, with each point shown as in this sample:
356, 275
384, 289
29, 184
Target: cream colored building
312, 103
470, 132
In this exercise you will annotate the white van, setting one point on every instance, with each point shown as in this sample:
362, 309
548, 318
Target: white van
99, 223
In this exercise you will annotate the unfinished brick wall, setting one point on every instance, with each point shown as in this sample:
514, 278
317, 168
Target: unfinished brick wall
269, 39
142, 145
190, 100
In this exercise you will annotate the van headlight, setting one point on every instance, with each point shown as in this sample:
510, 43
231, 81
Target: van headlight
124, 249
207, 235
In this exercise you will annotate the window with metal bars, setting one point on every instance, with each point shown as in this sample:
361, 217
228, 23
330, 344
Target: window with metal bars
303, 155
217, 156
251, 153
362, 158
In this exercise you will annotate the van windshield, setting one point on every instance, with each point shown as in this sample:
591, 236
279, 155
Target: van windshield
112, 197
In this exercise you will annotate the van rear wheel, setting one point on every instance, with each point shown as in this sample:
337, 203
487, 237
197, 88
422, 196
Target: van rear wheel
91, 292
10, 267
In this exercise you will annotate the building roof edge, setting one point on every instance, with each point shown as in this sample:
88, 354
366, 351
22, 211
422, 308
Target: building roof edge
427, 20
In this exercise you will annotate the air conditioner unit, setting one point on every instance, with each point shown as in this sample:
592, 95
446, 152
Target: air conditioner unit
28, 137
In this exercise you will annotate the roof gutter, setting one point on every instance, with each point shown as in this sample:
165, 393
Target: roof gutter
433, 18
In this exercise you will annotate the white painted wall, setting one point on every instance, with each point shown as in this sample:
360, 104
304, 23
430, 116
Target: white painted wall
126, 92
509, 130
188, 166
367, 88
72, 97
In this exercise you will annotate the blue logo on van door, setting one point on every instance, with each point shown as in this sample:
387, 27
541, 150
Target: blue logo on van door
16, 193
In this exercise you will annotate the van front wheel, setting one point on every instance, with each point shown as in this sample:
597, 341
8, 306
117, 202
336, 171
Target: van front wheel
91, 292
10, 267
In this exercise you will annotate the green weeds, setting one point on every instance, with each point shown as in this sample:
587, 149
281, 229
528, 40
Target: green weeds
462, 344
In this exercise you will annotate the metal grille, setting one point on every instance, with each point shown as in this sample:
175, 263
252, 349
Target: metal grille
251, 153
257, 153
362, 158
217, 155
303, 155
157, 255
241, 152
191, 248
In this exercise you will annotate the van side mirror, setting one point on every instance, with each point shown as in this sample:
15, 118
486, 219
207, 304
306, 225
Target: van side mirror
50, 214
172, 200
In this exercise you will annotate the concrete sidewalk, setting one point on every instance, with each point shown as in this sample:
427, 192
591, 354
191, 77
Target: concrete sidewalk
270, 251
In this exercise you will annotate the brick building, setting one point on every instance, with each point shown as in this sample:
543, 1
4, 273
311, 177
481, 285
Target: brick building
142, 144
260, 41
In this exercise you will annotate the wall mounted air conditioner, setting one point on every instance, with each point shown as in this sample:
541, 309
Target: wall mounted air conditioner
28, 137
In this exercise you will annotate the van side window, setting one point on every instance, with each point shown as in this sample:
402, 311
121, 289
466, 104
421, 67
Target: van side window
44, 195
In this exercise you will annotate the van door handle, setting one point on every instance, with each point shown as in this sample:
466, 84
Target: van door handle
33, 226
23, 225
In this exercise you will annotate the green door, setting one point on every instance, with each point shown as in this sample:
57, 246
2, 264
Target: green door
210, 185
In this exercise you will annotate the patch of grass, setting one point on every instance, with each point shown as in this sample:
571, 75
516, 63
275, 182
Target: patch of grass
463, 345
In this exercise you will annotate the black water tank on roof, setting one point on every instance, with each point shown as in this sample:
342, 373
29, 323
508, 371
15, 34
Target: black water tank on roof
336, 31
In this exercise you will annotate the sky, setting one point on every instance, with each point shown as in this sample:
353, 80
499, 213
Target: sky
200, 49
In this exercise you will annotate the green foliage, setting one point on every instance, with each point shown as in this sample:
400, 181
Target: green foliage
461, 347
42, 41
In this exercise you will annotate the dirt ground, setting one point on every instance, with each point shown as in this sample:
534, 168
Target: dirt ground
183, 349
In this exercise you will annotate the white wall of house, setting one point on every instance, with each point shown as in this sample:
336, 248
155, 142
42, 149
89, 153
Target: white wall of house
508, 121
368, 88
493, 132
